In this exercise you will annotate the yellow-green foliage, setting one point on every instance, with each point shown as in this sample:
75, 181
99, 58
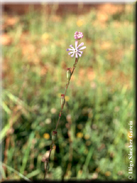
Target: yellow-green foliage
93, 132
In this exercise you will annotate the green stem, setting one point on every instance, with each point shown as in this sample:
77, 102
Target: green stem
47, 160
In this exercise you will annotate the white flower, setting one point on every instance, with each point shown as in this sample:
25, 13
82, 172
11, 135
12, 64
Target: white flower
77, 50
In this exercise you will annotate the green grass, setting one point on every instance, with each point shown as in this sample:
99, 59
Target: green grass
100, 108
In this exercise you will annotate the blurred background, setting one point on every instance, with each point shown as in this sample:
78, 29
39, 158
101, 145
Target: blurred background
93, 132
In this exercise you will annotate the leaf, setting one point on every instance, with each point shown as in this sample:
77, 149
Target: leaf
18, 173
26, 155
6, 109
34, 173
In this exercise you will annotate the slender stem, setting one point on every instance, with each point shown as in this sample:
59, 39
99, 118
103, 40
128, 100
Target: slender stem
70, 145
47, 160
76, 60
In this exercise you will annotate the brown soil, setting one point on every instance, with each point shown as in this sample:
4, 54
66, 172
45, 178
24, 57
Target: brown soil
61, 9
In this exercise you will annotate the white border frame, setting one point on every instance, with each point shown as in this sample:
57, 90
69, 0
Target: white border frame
39, 2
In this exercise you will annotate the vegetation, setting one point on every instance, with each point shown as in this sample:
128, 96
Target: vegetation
93, 131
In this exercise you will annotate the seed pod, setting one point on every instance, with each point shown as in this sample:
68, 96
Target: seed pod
54, 136
68, 73
62, 99
46, 165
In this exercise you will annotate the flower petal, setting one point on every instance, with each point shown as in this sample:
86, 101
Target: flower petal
71, 46
80, 52
70, 49
76, 55
82, 48
70, 53
81, 44
76, 44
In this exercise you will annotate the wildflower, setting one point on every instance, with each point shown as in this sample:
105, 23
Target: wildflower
80, 23
78, 35
46, 136
66, 98
79, 135
77, 50
48, 121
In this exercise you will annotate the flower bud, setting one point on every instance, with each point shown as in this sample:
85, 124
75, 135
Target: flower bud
68, 73
62, 99
78, 35
54, 135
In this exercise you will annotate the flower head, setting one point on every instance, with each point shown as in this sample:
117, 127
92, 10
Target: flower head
78, 35
46, 136
77, 50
